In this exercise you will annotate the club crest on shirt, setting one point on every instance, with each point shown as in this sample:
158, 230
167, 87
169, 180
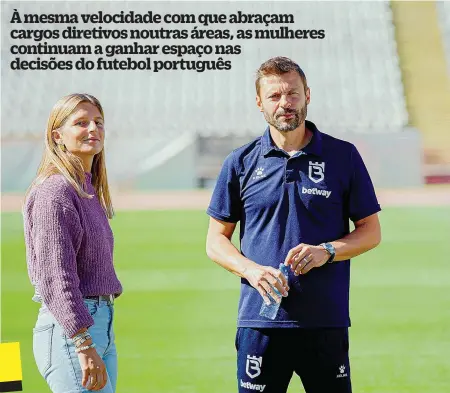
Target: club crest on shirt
316, 171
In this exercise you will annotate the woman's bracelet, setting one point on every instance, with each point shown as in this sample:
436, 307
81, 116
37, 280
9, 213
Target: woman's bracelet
79, 349
81, 335
82, 340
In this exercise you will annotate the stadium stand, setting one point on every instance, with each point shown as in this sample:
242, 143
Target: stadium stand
443, 8
420, 37
353, 73
344, 71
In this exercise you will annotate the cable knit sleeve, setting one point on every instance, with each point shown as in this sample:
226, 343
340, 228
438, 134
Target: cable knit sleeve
57, 233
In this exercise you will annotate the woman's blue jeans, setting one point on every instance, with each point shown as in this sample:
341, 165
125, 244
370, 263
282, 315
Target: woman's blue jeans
55, 354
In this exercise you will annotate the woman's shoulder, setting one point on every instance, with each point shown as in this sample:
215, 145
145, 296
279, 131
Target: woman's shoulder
53, 189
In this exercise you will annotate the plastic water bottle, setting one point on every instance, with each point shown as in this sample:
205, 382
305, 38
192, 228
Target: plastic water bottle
271, 310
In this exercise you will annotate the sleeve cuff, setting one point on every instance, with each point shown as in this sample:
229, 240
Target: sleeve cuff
71, 327
366, 213
221, 217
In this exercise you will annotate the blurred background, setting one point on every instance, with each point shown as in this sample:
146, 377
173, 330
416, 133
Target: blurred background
380, 79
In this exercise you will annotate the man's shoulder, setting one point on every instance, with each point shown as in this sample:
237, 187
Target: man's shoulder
239, 155
253, 146
331, 142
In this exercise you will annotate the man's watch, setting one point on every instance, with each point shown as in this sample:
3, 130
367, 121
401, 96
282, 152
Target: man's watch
331, 250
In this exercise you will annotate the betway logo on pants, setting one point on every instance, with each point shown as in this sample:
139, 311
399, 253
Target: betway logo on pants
252, 386
316, 191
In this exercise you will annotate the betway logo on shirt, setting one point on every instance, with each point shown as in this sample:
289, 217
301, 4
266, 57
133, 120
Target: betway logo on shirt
316, 191
253, 386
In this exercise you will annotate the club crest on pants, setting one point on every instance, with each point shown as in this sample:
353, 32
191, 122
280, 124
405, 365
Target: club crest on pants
253, 366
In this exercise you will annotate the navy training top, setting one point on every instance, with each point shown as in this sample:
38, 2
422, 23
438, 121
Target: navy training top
282, 201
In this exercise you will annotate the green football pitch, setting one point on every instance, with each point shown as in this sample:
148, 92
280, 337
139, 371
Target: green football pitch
175, 323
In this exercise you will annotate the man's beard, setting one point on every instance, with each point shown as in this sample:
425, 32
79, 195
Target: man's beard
287, 124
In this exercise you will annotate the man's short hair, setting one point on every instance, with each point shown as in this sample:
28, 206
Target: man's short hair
277, 66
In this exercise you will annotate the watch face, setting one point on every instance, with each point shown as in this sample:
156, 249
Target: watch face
329, 247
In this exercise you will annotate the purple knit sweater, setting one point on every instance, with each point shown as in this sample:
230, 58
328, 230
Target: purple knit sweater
69, 246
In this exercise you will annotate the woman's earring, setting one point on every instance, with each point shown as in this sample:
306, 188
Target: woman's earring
62, 146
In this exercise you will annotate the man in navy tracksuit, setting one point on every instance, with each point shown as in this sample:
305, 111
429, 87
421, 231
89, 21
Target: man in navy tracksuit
294, 191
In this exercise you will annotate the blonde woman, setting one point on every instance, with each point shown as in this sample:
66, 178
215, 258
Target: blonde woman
69, 247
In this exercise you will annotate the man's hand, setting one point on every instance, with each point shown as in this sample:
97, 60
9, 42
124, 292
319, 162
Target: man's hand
264, 278
304, 257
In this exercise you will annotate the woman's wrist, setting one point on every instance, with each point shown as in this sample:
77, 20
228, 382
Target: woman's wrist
82, 339
81, 331
85, 347
83, 343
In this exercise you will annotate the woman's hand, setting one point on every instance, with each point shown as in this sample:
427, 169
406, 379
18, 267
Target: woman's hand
93, 368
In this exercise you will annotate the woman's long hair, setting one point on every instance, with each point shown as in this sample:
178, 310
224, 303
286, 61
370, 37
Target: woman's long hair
57, 160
